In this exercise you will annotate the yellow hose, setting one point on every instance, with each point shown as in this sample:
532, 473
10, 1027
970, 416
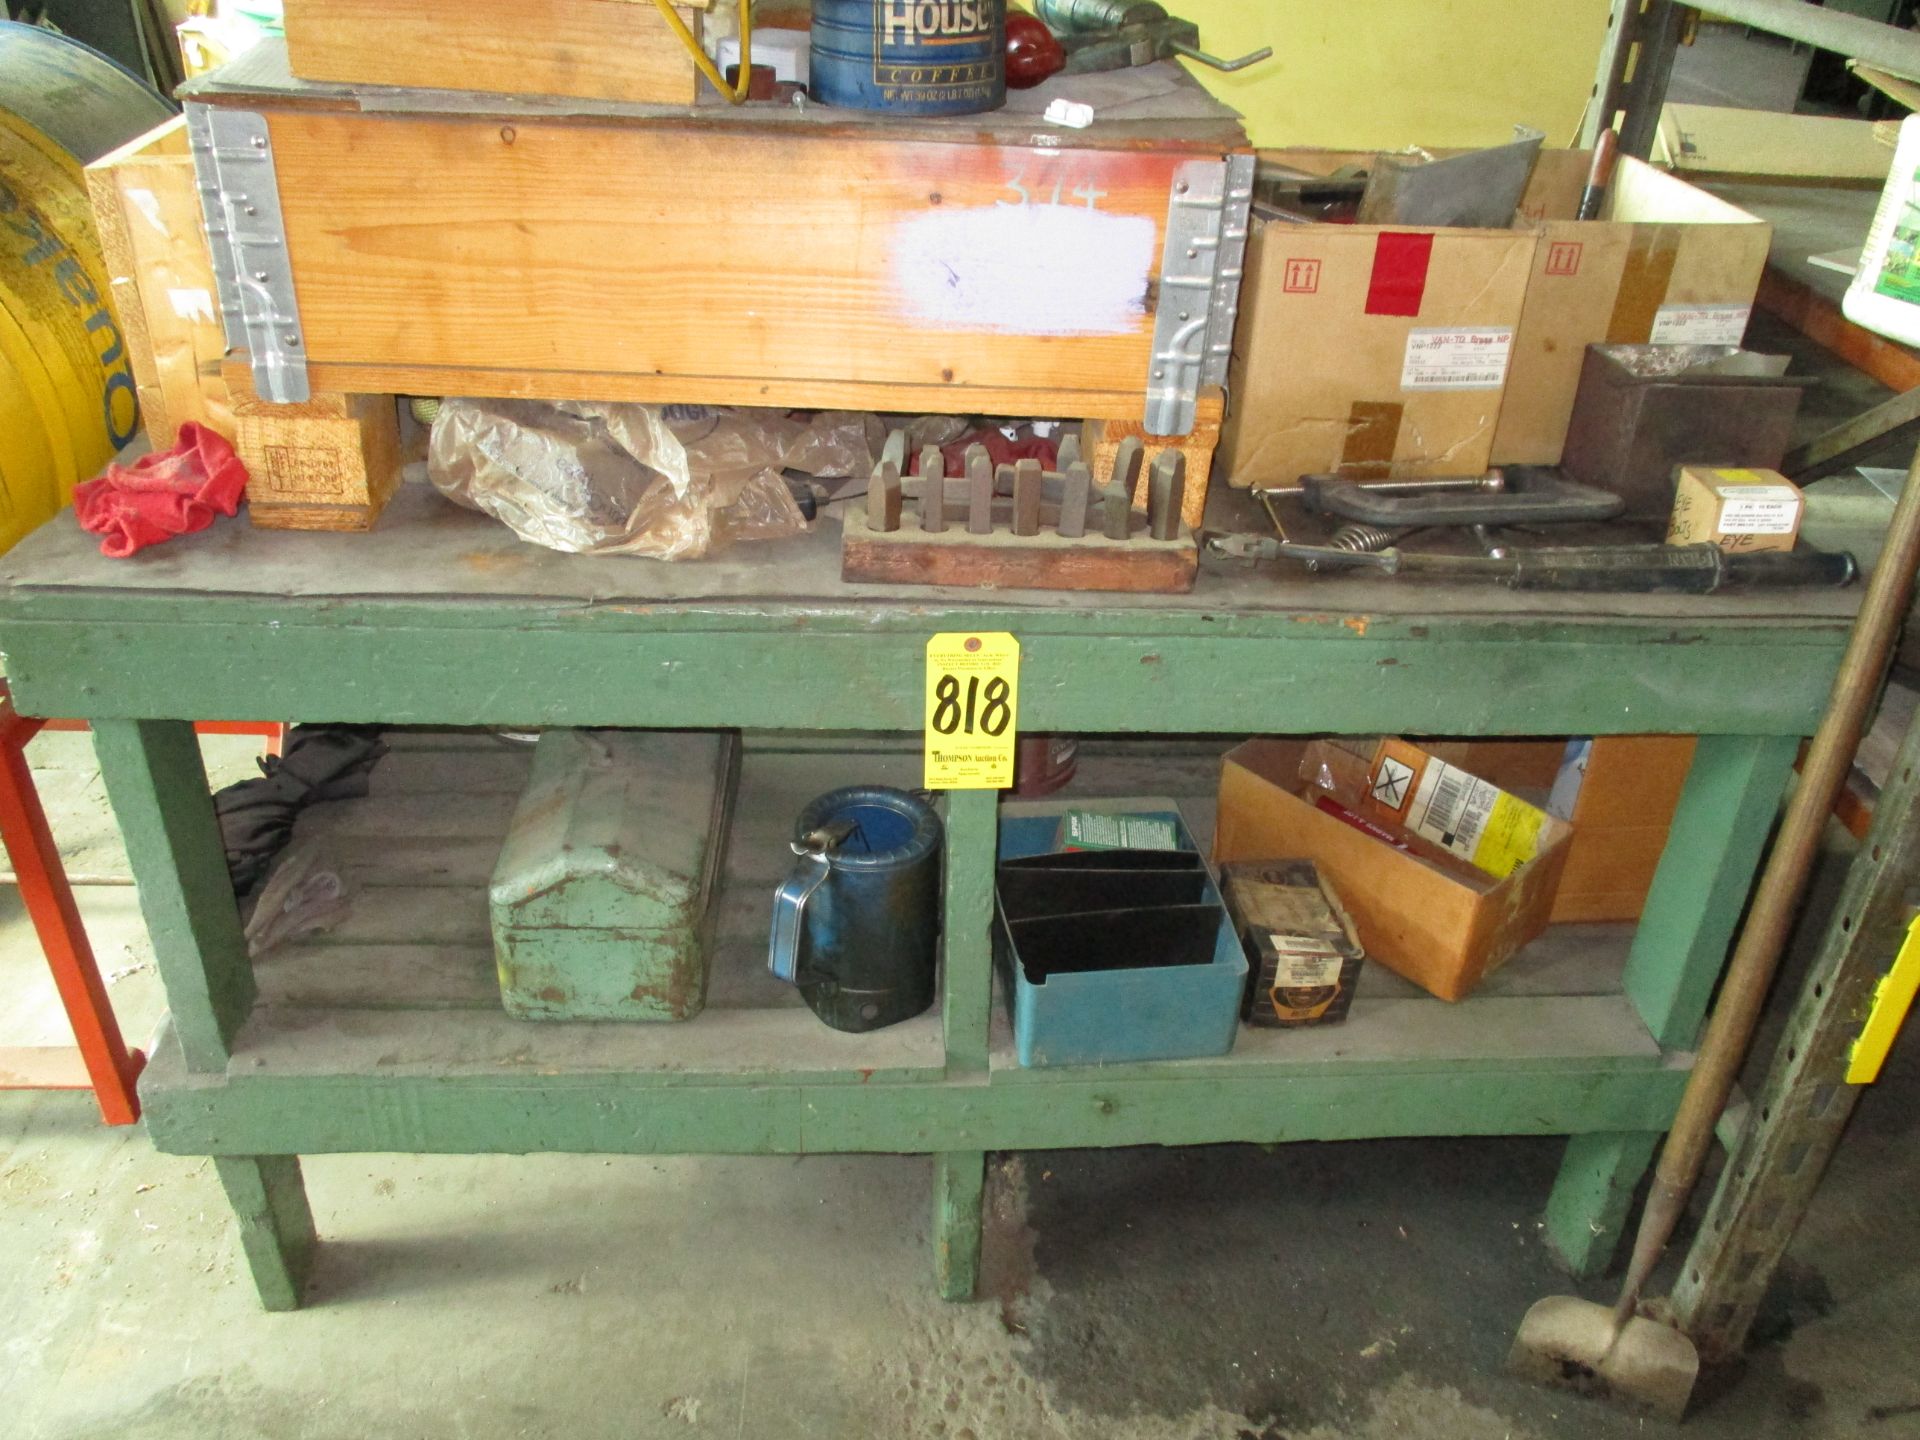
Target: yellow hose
736, 92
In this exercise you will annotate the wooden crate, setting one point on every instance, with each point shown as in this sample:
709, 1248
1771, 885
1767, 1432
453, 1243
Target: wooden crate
618, 50
147, 210
769, 256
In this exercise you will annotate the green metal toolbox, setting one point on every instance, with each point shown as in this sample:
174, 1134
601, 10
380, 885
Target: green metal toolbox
600, 897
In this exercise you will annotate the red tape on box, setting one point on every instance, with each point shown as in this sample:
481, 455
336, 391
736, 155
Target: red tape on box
1399, 274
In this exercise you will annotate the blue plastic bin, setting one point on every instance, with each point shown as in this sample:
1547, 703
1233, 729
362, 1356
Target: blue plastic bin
1108, 1016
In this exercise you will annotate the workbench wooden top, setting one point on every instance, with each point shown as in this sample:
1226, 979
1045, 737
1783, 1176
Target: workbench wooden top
440, 615
427, 548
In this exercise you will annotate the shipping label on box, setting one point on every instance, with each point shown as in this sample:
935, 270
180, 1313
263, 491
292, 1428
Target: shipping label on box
1457, 359
1366, 351
1738, 510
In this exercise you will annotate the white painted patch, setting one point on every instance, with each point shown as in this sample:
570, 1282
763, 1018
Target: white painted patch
192, 304
148, 204
1025, 270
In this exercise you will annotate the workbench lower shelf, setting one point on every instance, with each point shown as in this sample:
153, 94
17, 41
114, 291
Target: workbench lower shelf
386, 1032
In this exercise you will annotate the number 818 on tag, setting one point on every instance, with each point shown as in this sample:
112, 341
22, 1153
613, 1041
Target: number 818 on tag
972, 719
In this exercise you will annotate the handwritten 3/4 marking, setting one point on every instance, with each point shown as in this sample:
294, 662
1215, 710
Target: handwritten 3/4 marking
1088, 190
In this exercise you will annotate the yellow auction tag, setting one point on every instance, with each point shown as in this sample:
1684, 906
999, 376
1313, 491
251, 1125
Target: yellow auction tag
973, 709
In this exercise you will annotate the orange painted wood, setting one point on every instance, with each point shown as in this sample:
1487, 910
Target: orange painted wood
1820, 320
749, 257
48, 897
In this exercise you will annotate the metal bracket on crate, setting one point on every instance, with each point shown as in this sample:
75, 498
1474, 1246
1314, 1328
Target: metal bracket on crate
240, 200
1200, 268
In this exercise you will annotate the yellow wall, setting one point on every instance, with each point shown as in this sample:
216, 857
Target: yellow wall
1381, 74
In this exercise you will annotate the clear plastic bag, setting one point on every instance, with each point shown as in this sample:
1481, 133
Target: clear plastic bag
668, 482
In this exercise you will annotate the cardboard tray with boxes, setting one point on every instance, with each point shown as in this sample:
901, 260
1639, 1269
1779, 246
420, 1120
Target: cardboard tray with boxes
1450, 856
1364, 348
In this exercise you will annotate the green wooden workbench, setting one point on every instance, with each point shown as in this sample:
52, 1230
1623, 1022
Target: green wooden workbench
441, 617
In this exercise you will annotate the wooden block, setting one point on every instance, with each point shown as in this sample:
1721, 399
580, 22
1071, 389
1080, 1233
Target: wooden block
590, 49
1165, 493
1100, 441
883, 497
933, 489
1027, 490
1002, 561
147, 210
1074, 495
329, 464
979, 491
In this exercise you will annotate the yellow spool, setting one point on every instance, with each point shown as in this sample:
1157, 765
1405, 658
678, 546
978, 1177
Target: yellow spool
67, 396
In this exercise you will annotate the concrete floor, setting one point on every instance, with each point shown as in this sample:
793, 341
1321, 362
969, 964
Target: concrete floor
1214, 1293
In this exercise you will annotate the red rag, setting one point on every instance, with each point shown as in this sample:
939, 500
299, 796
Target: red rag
159, 496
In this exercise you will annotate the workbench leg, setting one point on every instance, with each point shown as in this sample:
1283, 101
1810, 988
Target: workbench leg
159, 792
1588, 1207
959, 1182
276, 1227
966, 1000
1719, 831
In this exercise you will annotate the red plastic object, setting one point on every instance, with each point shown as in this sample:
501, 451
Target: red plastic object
1359, 822
108, 1067
1032, 52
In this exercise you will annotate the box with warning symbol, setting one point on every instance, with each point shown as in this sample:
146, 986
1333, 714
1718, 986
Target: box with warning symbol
1419, 906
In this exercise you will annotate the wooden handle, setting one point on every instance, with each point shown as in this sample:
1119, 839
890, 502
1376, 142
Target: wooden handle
1777, 897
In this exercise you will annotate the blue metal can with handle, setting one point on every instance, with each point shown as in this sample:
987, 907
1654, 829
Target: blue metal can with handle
916, 57
857, 924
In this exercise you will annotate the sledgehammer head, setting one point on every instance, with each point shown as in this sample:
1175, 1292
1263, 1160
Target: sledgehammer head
1572, 1344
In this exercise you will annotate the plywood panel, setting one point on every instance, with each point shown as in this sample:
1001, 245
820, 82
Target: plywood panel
671, 249
148, 214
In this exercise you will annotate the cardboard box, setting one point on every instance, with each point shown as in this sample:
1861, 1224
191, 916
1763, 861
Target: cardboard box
1435, 919
1328, 313
1301, 948
1666, 263
1619, 792
1364, 349
1735, 509
1622, 808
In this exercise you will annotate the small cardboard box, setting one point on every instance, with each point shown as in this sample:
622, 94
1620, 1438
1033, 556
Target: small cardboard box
1435, 919
1363, 348
1620, 792
1735, 509
1301, 948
